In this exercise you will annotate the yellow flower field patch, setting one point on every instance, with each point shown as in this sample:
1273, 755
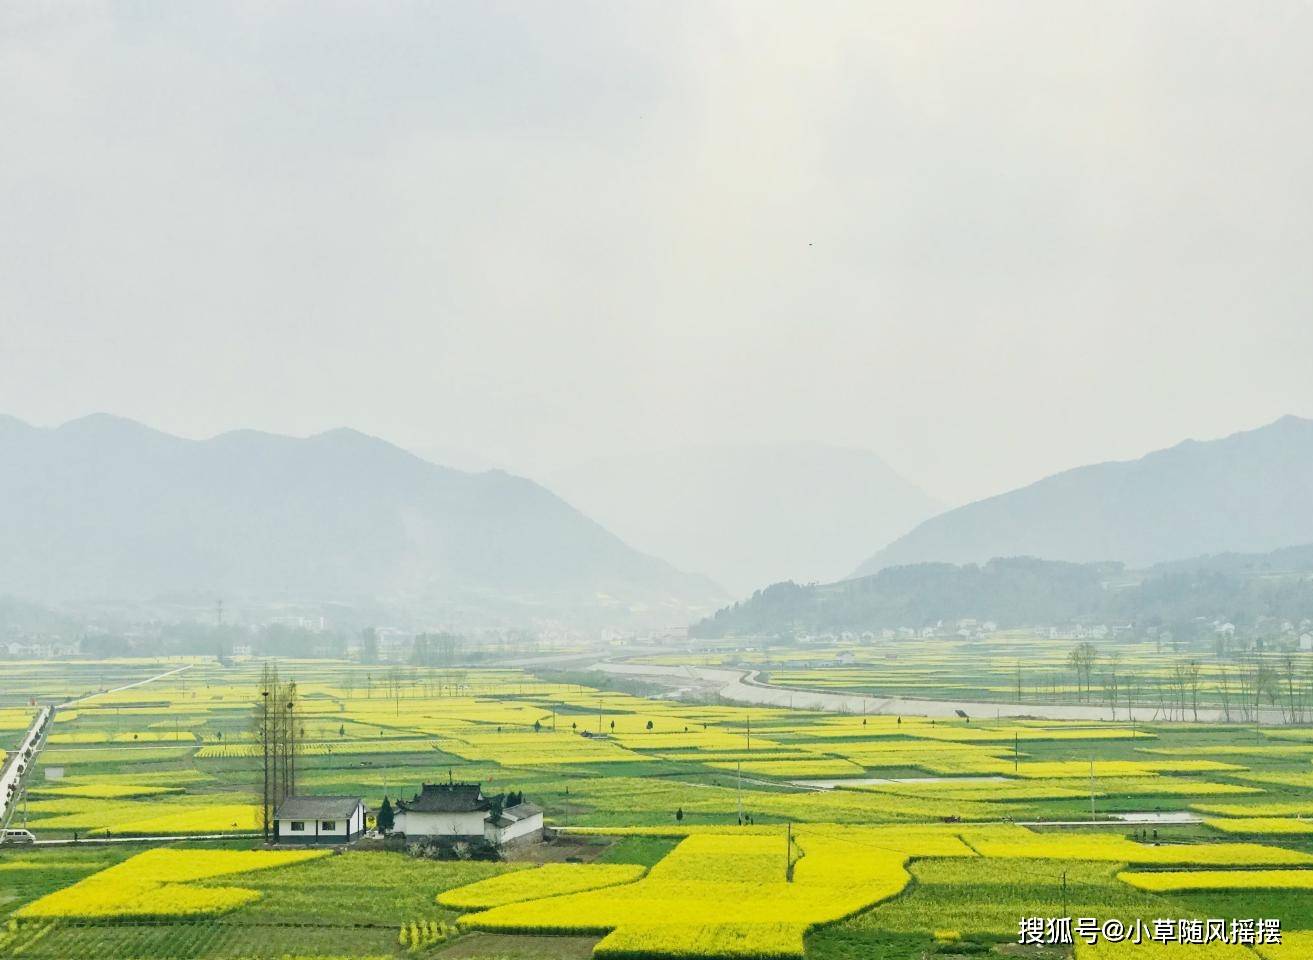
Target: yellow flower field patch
1167, 881
1287, 826
155, 884
551, 880
680, 908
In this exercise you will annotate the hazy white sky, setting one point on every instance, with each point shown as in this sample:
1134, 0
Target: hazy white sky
985, 240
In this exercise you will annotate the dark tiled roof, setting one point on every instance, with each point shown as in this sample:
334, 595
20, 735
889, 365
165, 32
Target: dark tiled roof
513, 815
522, 811
316, 808
447, 798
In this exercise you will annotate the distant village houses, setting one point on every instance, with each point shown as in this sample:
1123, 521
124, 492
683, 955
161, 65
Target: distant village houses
40, 649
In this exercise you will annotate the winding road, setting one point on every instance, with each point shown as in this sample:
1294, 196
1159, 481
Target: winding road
741, 686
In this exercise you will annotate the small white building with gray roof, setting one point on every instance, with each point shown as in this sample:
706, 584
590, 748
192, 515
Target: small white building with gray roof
319, 820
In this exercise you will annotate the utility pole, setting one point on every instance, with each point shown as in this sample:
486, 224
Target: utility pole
740, 791
1092, 816
1064, 894
289, 782
1016, 753
264, 739
788, 853
749, 733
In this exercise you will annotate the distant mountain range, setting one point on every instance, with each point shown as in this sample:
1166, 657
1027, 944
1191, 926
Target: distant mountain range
749, 515
103, 508
1249, 492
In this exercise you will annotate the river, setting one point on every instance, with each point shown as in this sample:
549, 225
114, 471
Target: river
740, 686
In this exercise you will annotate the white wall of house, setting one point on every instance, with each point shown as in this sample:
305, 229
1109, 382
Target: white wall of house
521, 828
323, 828
288, 827
415, 824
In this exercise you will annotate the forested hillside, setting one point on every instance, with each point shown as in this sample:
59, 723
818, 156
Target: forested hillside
1025, 592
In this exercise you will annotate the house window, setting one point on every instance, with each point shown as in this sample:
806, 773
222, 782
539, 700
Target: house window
327, 824
298, 825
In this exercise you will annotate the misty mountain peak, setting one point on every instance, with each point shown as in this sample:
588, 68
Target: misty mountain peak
106, 424
12, 425
1246, 492
90, 511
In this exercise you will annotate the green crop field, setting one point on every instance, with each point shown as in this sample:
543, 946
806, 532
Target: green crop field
683, 829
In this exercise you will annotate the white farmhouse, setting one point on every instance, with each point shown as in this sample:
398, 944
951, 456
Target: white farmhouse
522, 823
461, 811
319, 820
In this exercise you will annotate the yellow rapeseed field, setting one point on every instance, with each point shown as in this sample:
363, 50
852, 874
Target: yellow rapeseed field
1172, 880
1294, 945
155, 884
680, 908
1047, 846
551, 880
1269, 825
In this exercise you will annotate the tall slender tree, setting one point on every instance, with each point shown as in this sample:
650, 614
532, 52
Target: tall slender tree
278, 732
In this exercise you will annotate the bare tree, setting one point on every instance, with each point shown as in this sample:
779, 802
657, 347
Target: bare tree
1111, 683
1082, 659
1185, 687
278, 731
1192, 682
1224, 691
395, 682
1132, 692
1292, 708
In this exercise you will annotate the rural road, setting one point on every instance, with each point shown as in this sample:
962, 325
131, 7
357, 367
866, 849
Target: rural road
741, 686
91, 841
18, 764
129, 686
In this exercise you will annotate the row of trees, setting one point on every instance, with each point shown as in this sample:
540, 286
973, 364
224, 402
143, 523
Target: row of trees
279, 733
447, 649
1241, 688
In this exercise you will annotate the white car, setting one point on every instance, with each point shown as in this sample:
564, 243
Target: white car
17, 836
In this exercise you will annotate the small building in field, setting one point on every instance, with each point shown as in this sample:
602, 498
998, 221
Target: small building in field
319, 820
443, 810
460, 811
522, 823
